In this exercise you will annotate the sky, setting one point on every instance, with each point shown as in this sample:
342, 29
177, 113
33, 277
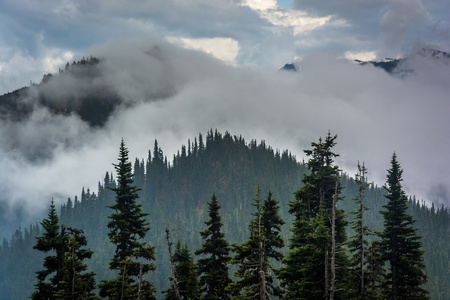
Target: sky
39, 37
219, 69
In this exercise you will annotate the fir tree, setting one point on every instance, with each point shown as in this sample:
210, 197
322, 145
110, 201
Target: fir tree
273, 242
252, 257
212, 265
51, 240
193, 284
400, 243
359, 243
128, 227
375, 272
306, 273
186, 272
75, 282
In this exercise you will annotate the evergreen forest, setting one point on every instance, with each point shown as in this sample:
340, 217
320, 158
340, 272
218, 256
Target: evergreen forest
230, 219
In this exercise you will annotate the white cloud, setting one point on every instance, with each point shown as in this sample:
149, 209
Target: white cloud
300, 21
363, 56
22, 68
225, 49
261, 4
53, 61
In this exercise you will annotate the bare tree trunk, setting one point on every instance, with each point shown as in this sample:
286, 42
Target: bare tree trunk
326, 250
123, 280
174, 275
262, 287
361, 196
73, 271
333, 243
140, 281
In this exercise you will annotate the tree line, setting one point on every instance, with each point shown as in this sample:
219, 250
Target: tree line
320, 263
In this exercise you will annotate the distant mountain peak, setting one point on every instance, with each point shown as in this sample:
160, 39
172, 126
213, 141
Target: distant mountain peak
293, 67
392, 65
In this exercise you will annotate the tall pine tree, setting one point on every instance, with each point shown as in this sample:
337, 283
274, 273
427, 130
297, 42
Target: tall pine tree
400, 243
128, 227
307, 271
359, 244
214, 255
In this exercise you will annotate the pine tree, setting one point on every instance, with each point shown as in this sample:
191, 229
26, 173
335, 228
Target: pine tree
400, 243
273, 242
193, 284
51, 240
359, 243
186, 272
75, 282
248, 256
255, 256
128, 227
212, 265
306, 273
375, 273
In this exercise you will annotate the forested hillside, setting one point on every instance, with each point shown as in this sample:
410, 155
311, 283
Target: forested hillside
176, 193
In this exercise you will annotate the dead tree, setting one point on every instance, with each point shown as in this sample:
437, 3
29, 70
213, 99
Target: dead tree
172, 263
333, 243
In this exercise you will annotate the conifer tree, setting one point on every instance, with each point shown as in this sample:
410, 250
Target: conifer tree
75, 282
51, 240
273, 242
253, 257
400, 242
193, 284
128, 227
358, 244
375, 273
306, 273
214, 253
186, 271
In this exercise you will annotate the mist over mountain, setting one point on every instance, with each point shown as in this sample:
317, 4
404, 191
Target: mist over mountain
399, 66
405, 66
148, 89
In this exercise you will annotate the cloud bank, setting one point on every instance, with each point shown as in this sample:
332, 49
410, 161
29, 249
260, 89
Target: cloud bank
372, 112
264, 33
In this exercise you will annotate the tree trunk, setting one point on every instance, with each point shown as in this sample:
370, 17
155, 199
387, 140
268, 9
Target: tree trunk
140, 281
262, 287
174, 275
333, 243
362, 236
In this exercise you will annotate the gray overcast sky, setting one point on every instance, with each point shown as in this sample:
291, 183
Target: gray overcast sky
37, 37
230, 84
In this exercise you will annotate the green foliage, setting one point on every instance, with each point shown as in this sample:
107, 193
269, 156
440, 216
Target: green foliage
52, 240
400, 242
75, 282
214, 255
128, 227
359, 243
186, 272
177, 195
254, 271
306, 270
